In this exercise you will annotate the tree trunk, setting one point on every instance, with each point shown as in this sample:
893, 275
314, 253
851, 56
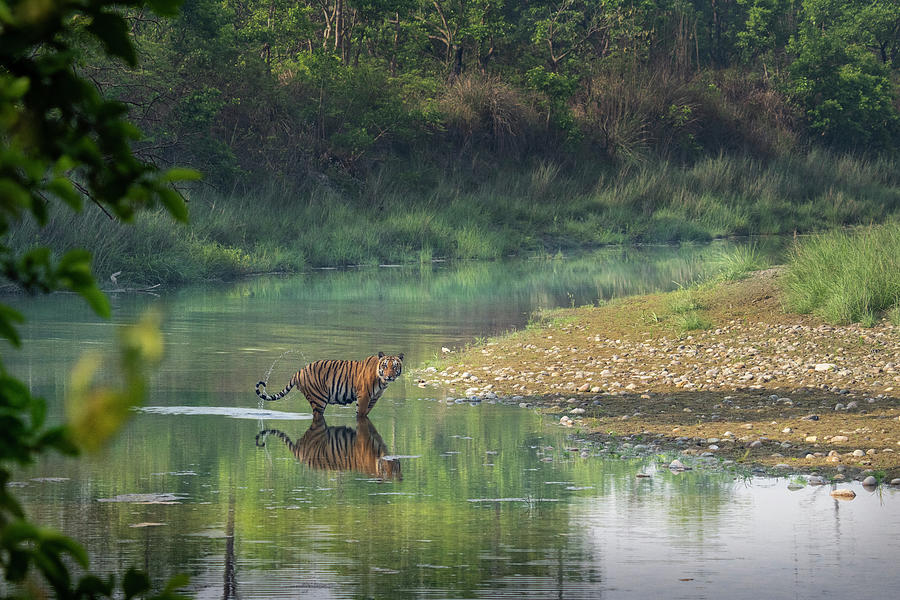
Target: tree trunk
395, 45
458, 60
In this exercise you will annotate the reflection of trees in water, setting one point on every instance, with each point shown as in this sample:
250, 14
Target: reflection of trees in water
230, 591
340, 448
602, 274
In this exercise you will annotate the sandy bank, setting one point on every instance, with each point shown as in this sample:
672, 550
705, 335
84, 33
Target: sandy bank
756, 384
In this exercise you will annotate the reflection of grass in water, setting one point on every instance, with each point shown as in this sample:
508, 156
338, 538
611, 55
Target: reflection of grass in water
583, 279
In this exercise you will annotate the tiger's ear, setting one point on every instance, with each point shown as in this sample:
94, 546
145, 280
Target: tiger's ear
381, 355
400, 356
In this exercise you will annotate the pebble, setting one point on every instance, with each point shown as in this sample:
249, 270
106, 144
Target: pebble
895, 481
858, 453
839, 439
821, 367
810, 438
870, 481
755, 444
676, 465
816, 480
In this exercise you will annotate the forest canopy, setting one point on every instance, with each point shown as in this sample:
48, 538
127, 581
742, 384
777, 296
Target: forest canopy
246, 89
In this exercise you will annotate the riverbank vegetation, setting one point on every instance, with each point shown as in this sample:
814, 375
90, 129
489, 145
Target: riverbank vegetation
341, 133
847, 277
513, 211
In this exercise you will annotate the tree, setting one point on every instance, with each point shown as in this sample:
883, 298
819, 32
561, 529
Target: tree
62, 142
836, 77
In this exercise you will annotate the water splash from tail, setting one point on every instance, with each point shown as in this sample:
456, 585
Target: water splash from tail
261, 403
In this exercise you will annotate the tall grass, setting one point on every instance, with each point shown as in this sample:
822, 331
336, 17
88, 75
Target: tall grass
739, 262
846, 277
540, 207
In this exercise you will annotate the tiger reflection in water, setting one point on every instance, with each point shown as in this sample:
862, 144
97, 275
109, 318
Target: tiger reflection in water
340, 448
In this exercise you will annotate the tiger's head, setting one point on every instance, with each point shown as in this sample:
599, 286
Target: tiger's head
389, 367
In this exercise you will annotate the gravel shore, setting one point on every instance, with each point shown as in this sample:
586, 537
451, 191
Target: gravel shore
755, 384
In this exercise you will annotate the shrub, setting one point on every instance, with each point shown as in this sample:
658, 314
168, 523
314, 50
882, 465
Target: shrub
484, 110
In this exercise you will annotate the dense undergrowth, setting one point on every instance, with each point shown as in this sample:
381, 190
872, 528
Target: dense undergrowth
530, 209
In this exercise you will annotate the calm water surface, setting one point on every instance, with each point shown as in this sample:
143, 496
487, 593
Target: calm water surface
479, 501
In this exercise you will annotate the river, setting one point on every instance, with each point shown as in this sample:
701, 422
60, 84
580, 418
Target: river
447, 500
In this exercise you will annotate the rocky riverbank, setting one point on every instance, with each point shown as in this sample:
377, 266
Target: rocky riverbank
721, 371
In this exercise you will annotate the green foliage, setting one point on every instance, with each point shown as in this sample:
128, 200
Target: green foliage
61, 142
520, 209
845, 89
846, 277
257, 89
765, 29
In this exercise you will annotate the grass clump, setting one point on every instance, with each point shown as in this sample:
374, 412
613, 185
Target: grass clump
684, 301
739, 262
846, 276
693, 321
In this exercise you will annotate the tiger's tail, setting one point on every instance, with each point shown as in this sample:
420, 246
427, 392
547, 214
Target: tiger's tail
279, 395
277, 433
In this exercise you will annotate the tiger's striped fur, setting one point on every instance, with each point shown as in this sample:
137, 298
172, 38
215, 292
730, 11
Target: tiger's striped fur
341, 382
341, 448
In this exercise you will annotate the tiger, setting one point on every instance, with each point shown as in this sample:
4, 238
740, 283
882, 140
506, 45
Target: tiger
341, 448
341, 382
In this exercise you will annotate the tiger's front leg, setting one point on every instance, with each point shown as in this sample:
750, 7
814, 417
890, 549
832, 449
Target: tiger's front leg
364, 404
